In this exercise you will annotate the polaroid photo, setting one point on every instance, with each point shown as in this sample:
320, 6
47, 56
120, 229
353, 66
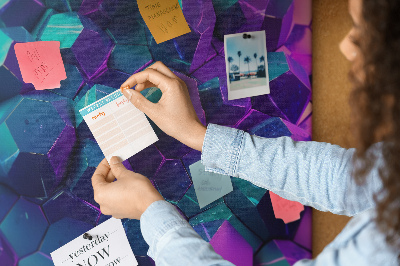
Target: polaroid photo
246, 64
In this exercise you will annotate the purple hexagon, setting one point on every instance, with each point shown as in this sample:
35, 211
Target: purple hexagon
290, 94
92, 50
278, 23
172, 180
228, 243
147, 161
7, 254
73, 207
280, 250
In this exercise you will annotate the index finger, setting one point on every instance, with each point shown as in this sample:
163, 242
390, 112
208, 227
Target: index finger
160, 80
160, 67
100, 175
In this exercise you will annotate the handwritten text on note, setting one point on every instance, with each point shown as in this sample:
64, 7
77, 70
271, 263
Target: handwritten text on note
208, 186
164, 19
41, 64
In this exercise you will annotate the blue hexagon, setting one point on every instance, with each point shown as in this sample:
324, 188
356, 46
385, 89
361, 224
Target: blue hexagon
135, 238
119, 60
24, 227
11, 79
73, 207
62, 232
13, 13
35, 126
7, 200
37, 167
37, 258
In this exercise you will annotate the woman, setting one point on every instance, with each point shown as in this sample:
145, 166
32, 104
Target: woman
363, 183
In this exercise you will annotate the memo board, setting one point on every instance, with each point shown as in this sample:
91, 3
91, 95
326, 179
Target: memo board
48, 154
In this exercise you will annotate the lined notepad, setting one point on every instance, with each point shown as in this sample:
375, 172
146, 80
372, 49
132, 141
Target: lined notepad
118, 126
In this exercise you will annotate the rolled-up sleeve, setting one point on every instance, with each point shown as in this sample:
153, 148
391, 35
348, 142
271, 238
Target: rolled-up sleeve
315, 174
171, 239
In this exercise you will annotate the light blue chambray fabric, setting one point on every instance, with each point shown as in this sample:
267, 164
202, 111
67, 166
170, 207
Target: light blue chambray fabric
313, 173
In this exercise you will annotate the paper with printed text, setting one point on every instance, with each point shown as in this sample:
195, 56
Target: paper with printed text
108, 247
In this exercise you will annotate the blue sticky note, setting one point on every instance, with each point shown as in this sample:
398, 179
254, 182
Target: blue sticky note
208, 186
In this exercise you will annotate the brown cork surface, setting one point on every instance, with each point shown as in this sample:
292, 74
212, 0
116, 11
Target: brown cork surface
331, 88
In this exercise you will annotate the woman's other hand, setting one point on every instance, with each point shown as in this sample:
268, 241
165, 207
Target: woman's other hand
128, 197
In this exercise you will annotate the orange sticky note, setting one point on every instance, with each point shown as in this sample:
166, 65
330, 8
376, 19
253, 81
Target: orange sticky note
164, 18
288, 211
41, 64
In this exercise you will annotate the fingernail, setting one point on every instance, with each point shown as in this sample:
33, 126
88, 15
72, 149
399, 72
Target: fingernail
127, 93
115, 160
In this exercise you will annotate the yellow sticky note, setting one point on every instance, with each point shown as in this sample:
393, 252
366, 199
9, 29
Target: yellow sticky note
164, 19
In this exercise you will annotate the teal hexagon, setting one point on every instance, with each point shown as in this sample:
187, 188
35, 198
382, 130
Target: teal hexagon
64, 27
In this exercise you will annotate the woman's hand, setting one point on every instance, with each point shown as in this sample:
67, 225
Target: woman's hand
174, 113
128, 197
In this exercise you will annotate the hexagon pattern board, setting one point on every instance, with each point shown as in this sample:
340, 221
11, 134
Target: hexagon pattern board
48, 154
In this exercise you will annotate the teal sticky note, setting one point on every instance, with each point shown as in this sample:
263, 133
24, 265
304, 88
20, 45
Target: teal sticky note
208, 186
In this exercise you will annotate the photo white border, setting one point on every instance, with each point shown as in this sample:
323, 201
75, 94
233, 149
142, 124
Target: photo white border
248, 92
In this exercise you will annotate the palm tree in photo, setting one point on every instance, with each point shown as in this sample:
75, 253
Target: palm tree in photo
262, 59
255, 59
247, 60
234, 68
230, 60
239, 55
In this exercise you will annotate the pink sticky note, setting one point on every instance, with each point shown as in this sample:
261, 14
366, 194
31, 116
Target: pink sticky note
288, 211
41, 64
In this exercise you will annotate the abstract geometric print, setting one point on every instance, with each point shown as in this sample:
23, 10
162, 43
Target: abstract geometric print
48, 154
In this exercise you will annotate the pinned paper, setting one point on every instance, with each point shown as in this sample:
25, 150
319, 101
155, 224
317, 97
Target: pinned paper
246, 64
118, 126
288, 211
209, 186
164, 18
41, 64
108, 246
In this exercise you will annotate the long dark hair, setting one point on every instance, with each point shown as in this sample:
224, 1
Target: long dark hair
376, 106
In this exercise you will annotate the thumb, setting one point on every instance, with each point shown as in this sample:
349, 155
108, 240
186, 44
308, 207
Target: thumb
138, 100
117, 167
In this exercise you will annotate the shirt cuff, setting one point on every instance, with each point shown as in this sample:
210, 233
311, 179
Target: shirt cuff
221, 149
158, 219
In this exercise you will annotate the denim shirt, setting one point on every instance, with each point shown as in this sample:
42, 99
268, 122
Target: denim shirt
313, 173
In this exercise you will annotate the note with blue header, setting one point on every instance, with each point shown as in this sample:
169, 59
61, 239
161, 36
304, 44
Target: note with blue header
118, 126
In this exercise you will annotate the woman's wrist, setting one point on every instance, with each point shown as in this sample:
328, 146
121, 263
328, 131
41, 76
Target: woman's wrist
200, 137
195, 136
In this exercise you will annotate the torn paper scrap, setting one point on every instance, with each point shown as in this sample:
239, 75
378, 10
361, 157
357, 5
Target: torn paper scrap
288, 211
41, 63
208, 186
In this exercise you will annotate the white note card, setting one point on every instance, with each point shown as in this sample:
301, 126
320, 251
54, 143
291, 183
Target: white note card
108, 247
208, 186
118, 126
